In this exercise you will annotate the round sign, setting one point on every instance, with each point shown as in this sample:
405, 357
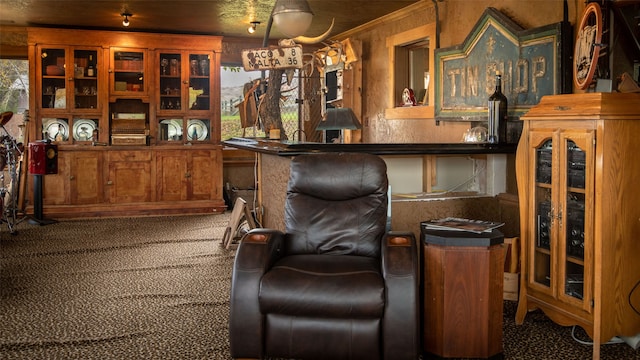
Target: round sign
587, 48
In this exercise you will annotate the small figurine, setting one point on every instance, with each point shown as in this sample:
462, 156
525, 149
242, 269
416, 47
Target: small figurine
408, 98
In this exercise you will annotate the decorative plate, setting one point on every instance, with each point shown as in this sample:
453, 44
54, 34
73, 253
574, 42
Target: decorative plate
174, 129
197, 130
83, 129
55, 129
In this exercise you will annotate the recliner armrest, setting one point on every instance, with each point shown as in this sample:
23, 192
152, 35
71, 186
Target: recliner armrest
257, 252
400, 268
259, 249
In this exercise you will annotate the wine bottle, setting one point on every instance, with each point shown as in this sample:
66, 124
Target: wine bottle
497, 124
91, 71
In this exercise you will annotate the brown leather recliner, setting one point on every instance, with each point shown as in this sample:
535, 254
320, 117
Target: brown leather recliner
335, 285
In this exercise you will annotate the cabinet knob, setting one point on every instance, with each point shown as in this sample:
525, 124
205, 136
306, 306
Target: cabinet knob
185, 82
71, 177
187, 175
109, 182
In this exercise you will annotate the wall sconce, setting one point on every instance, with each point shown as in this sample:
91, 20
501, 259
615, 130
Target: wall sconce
252, 28
126, 15
292, 17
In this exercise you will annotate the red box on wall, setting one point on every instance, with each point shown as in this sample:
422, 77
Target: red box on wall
43, 158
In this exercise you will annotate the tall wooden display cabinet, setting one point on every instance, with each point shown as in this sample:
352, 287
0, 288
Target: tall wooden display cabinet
578, 173
135, 116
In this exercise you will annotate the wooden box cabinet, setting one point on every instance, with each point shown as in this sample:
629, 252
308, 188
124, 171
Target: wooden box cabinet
75, 109
577, 172
462, 300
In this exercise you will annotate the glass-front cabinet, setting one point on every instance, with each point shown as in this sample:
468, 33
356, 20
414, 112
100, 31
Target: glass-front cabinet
577, 174
562, 191
117, 104
184, 96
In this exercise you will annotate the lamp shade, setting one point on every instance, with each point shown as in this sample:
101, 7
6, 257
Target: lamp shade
338, 119
292, 17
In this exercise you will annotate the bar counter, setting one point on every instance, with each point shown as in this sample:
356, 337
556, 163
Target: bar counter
292, 148
412, 171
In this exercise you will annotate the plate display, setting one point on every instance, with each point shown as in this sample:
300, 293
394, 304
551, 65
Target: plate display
55, 129
83, 129
171, 129
197, 130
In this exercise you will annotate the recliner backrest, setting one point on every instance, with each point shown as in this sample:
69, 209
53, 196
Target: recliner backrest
336, 204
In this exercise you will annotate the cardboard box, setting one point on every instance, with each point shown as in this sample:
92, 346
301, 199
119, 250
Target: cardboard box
511, 278
511, 290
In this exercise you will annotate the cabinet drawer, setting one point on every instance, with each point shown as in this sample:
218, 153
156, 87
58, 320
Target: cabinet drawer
129, 156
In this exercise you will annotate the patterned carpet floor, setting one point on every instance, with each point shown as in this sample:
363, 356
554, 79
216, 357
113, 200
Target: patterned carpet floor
158, 288
135, 288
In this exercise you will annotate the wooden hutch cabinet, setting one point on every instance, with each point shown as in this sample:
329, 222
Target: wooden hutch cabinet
577, 174
136, 117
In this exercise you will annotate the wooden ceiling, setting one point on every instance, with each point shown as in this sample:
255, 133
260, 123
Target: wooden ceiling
216, 17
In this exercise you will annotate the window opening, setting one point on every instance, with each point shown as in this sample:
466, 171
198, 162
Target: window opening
233, 85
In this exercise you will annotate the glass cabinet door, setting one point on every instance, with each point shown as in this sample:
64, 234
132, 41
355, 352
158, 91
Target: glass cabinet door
562, 249
85, 129
575, 183
198, 129
170, 129
53, 81
55, 129
199, 81
127, 75
543, 226
85, 68
171, 88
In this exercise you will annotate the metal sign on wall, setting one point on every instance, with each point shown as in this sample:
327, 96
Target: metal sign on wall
533, 63
272, 58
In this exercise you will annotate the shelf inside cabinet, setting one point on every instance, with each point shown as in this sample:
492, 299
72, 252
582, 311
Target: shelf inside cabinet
543, 250
575, 260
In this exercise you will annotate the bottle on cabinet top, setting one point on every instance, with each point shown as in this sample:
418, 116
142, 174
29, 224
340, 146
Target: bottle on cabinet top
497, 121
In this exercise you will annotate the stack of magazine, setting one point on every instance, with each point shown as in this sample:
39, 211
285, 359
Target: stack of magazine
458, 224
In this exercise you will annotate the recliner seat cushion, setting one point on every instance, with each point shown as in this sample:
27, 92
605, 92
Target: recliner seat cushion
325, 286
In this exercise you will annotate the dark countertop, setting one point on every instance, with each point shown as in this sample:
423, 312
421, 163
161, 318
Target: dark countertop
291, 148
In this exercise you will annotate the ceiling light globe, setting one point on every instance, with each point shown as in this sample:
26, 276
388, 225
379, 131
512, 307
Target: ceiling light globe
125, 22
292, 17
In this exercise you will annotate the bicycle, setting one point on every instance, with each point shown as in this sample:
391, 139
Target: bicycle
10, 154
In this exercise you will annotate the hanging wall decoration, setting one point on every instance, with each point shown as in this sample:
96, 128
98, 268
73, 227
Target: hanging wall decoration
533, 63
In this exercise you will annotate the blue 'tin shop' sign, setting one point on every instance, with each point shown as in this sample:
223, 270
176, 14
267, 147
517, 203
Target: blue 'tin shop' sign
532, 64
